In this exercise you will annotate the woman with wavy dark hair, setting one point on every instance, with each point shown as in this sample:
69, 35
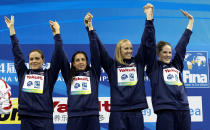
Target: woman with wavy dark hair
82, 87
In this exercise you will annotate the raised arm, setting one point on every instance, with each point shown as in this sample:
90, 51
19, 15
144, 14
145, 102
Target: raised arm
55, 63
190, 18
59, 59
148, 10
10, 24
55, 27
94, 49
19, 59
147, 45
184, 40
105, 60
88, 21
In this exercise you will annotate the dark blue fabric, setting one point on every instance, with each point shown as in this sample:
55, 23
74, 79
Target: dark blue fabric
126, 121
173, 120
84, 105
34, 104
128, 97
165, 96
83, 123
36, 123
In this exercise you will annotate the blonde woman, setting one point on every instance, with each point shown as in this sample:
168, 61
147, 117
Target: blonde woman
126, 78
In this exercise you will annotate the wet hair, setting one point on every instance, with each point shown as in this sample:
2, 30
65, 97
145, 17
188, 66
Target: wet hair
73, 69
37, 50
160, 45
118, 55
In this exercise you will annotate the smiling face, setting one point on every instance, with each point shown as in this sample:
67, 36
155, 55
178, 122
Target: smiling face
165, 54
126, 50
80, 61
35, 60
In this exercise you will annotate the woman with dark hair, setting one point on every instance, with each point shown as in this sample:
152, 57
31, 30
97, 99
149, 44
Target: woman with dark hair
35, 105
169, 96
76, 66
126, 78
82, 88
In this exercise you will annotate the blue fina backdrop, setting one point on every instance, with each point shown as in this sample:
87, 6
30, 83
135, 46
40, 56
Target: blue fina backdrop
113, 20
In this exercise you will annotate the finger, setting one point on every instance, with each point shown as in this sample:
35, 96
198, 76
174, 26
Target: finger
57, 24
148, 6
189, 16
6, 19
87, 19
86, 15
90, 17
51, 25
89, 14
51, 22
183, 12
12, 17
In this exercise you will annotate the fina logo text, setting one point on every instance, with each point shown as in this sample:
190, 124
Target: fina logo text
196, 71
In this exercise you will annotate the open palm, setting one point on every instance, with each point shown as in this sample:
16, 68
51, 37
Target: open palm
185, 13
10, 23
